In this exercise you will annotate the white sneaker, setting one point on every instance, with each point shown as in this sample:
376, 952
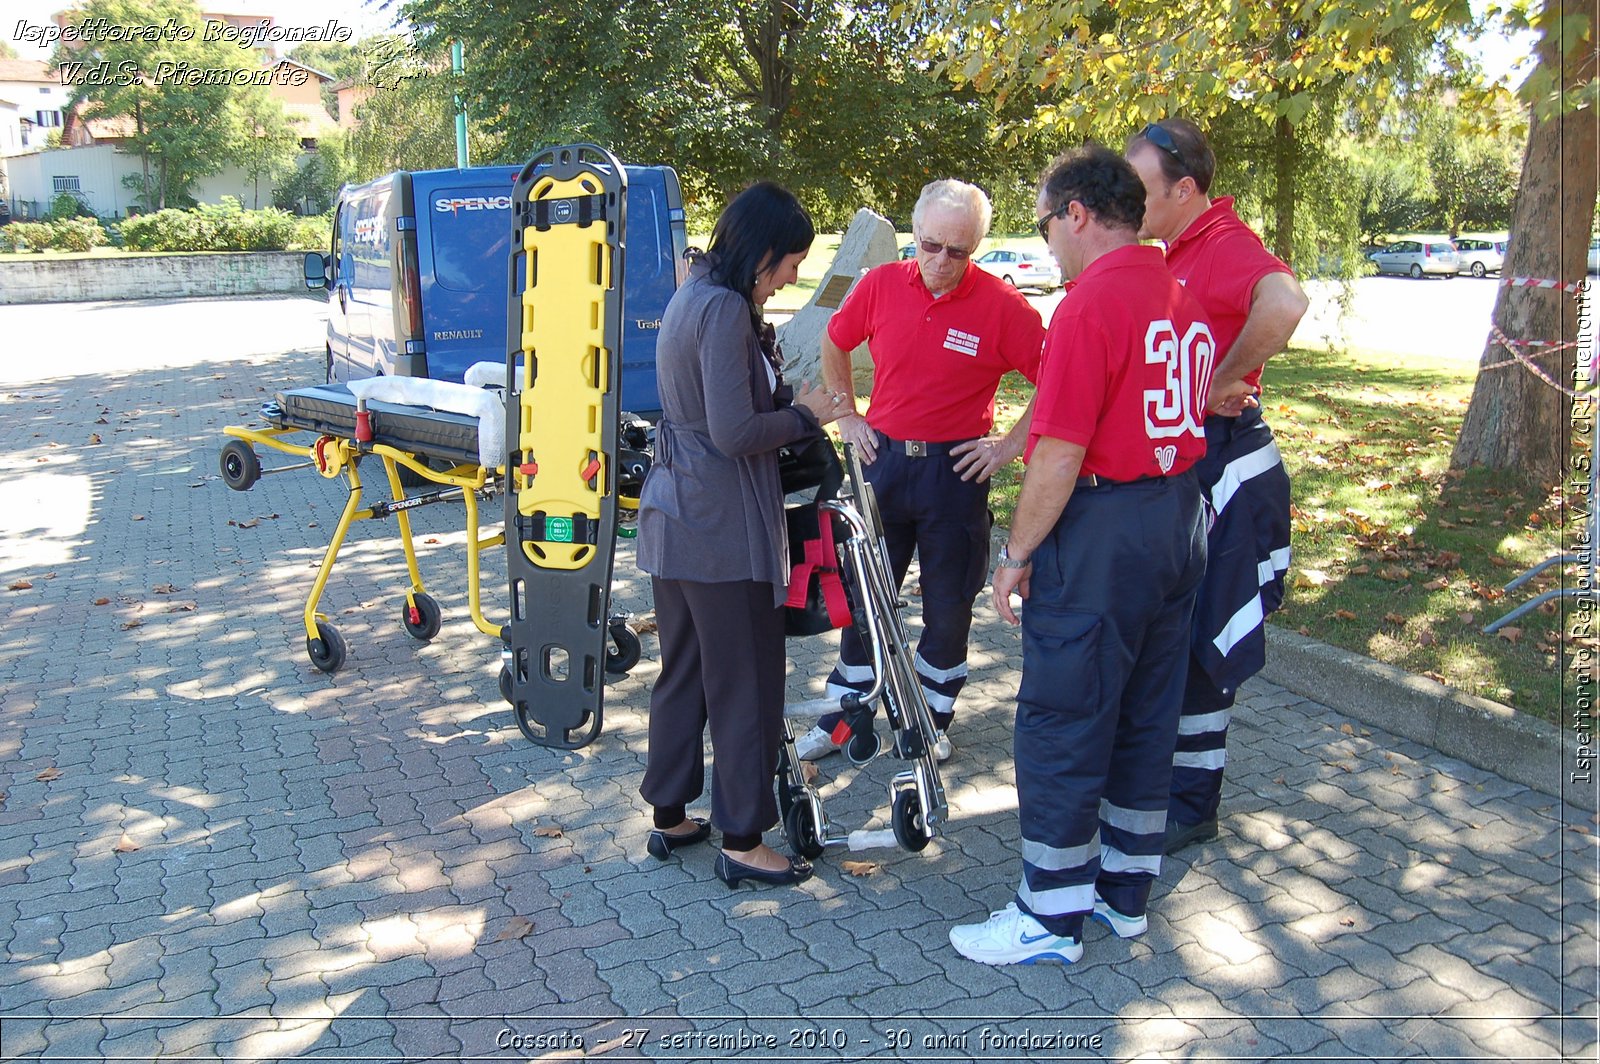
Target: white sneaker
814, 744
942, 748
1121, 926
1011, 936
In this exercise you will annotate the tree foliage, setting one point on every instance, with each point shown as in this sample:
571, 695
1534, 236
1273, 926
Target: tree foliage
1279, 83
819, 95
266, 145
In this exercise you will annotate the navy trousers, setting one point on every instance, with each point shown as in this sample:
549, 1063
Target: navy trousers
927, 509
1105, 640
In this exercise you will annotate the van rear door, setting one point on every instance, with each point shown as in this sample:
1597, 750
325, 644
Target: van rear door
464, 241
655, 242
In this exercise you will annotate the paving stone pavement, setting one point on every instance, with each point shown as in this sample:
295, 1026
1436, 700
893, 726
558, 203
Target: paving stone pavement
209, 850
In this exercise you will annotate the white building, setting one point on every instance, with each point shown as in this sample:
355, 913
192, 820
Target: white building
40, 100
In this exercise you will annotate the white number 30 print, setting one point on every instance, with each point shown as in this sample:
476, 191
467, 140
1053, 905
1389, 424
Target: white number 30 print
1180, 406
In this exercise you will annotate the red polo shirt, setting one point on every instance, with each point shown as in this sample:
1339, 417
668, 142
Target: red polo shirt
937, 362
1219, 260
1127, 364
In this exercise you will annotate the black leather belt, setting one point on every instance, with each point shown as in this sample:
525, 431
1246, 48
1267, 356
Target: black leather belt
918, 448
1093, 481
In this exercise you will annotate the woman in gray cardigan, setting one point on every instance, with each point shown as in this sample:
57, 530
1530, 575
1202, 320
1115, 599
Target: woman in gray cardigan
712, 536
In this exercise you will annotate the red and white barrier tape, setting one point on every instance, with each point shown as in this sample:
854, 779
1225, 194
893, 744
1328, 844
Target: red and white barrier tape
1527, 361
1541, 282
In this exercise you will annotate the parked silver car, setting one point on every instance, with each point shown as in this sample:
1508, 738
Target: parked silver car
1480, 255
1417, 256
1022, 268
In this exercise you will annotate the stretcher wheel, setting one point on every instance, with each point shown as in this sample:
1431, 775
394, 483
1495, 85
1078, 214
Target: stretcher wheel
327, 650
421, 617
906, 819
505, 683
785, 788
625, 650
801, 827
240, 466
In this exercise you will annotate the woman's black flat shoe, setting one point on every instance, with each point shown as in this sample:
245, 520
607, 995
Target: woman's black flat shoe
731, 872
662, 844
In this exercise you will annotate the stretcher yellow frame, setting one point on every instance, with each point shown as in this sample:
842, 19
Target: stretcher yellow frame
333, 456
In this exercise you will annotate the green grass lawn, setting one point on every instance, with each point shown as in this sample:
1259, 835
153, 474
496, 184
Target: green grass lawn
1394, 556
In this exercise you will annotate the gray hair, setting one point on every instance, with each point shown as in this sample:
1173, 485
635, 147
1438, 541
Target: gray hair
949, 193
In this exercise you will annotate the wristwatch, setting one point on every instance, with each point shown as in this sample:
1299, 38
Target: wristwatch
1006, 561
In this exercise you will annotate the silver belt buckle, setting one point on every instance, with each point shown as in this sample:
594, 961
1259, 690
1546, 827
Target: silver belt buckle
916, 448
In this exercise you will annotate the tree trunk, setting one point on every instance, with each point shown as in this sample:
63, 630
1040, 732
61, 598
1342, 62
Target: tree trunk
1283, 163
1516, 421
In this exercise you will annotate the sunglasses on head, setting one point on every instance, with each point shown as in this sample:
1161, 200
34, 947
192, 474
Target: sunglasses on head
1163, 141
933, 247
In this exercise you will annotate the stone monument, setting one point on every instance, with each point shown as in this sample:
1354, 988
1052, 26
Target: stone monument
867, 243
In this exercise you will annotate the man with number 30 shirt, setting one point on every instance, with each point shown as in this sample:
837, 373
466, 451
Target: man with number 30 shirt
1107, 548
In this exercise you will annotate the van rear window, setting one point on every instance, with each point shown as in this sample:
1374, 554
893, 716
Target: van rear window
471, 235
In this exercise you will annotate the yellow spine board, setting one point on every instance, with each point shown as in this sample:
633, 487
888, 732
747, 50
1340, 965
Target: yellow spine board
565, 368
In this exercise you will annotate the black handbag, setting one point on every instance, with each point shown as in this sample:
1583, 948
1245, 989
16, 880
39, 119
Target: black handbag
817, 601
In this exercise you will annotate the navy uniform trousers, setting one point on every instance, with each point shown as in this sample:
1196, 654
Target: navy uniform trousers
1246, 487
1105, 642
928, 509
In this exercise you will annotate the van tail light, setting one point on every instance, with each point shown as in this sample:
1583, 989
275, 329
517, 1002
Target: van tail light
411, 289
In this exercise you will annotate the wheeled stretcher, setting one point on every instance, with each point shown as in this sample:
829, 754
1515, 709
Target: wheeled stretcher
918, 807
450, 437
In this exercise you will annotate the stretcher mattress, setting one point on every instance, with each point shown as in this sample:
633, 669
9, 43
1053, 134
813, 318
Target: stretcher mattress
330, 410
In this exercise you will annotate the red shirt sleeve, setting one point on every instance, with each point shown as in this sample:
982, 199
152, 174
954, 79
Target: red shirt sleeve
1024, 342
1248, 261
851, 324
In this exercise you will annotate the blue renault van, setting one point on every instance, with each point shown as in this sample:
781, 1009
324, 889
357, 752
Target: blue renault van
417, 278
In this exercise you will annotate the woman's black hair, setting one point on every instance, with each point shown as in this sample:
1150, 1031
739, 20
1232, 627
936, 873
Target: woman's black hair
761, 226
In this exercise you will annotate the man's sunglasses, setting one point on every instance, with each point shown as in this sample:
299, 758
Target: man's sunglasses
1163, 141
1044, 223
933, 247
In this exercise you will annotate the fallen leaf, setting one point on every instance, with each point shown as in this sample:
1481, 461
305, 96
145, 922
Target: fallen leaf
94, 438
183, 607
253, 522
859, 868
431, 539
547, 833
1279, 781
101, 421
126, 845
1510, 635
1436, 585
1347, 729
1394, 618
1579, 828
163, 589
1344, 615
1394, 574
516, 927
102, 602
20, 585
1548, 608
138, 517
51, 773
1467, 618
1426, 638
128, 626
1347, 922
1361, 570
1310, 578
